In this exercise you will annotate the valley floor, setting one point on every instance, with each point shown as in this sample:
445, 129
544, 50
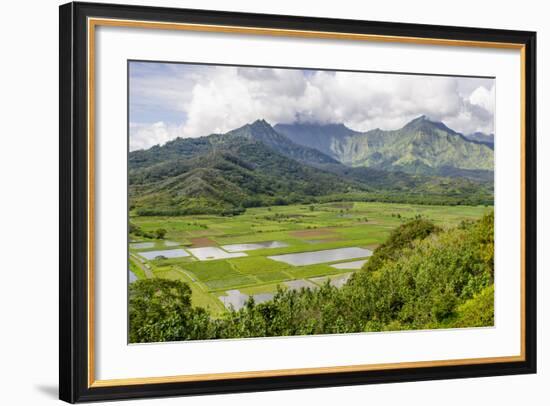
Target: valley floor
227, 259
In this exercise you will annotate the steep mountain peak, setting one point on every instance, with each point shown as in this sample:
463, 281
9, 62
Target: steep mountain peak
420, 120
422, 117
257, 129
261, 131
260, 123
424, 123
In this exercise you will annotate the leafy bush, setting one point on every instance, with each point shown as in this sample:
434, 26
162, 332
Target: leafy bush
160, 233
478, 311
400, 238
160, 310
137, 231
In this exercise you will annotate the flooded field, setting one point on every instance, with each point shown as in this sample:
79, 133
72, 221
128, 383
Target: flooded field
177, 253
209, 253
142, 245
299, 284
319, 257
337, 281
254, 246
235, 299
350, 265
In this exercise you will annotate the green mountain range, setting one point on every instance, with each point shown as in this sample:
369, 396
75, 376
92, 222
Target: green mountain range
259, 165
421, 147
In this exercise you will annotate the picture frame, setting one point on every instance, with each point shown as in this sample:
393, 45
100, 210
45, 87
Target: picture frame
79, 22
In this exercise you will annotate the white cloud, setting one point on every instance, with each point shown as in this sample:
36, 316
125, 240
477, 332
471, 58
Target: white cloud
484, 98
144, 136
219, 99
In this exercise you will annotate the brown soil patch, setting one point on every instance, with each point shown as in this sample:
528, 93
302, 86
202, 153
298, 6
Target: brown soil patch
317, 232
202, 242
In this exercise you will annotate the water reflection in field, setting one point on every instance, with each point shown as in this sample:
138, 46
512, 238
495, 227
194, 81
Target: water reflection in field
236, 299
177, 253
142, 245
206, 253
254, 246
319, 257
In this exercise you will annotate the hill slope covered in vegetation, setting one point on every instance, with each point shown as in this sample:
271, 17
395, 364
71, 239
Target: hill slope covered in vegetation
422, 146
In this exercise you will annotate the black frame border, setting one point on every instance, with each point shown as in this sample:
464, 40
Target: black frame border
73, 198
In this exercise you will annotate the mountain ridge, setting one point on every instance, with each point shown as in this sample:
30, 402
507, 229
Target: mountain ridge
254, 165
478, 136
421, 146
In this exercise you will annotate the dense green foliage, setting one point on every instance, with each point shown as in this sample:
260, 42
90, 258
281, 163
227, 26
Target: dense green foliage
256, 166
160, 310
137, 231
422, 277
402, 237
160, 233
429, 282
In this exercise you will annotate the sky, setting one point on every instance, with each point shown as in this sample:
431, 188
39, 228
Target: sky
169, 100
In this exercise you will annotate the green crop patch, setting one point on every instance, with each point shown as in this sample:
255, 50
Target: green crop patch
230, 283
272, 276
257, 264
212, 270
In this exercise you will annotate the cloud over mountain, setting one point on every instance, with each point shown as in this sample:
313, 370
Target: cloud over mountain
170, 100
